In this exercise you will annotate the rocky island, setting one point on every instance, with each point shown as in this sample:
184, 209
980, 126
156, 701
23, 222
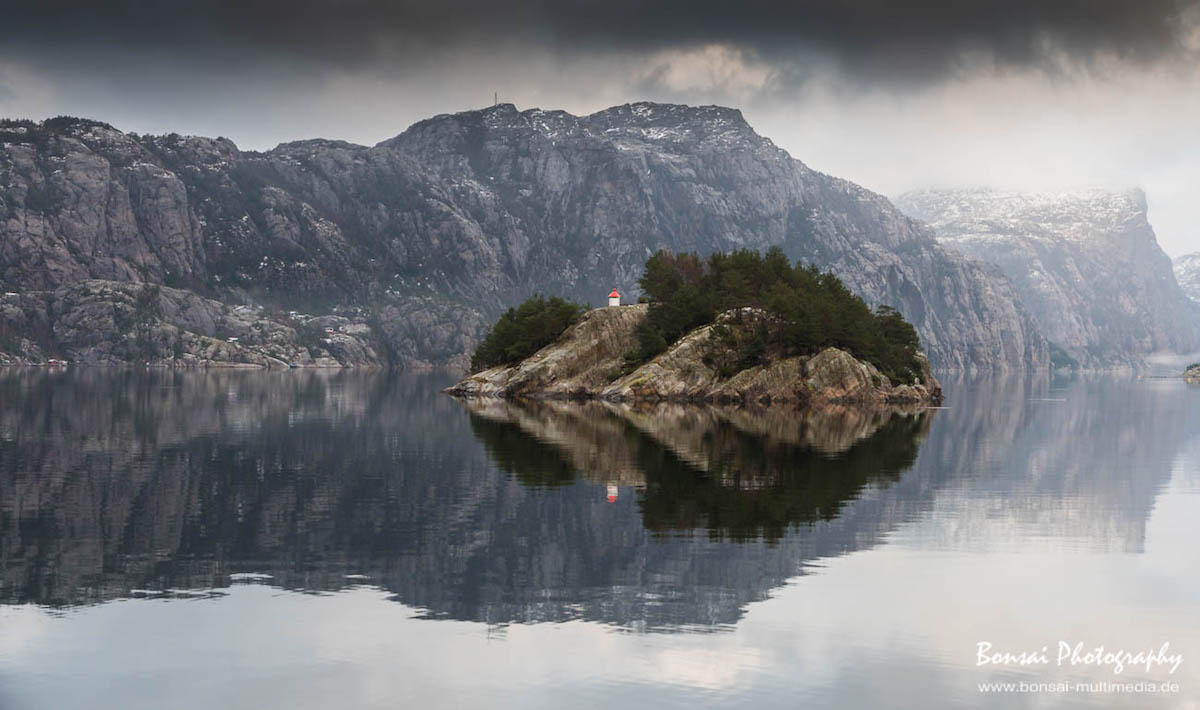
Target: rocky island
1192, 374
757, 350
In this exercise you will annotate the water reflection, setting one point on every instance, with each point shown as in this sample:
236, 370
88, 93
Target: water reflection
889, 545
1072, 463
738, 473
115, 482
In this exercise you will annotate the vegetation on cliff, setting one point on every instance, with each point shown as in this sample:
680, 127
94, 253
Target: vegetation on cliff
808, 310
524, 330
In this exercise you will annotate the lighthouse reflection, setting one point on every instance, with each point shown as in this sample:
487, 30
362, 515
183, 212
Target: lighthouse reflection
121, 484
733, 473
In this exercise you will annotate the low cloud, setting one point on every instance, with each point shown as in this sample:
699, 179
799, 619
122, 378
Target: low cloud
1024, 94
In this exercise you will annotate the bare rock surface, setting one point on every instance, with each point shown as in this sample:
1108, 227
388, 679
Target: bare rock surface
98, 322
1086, 263
431, 235
1187, 273
587, 362
1192, 375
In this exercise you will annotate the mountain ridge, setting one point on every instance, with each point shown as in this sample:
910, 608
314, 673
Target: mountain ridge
1086, 263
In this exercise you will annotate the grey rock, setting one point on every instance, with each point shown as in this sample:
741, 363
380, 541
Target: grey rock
587, 362
432, 234
1085, 263
113, 322
1187, 273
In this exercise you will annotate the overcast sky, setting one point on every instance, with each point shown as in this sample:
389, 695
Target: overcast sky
1032, 94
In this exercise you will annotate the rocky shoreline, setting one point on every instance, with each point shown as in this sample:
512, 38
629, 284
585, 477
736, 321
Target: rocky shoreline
100, 322
587, 362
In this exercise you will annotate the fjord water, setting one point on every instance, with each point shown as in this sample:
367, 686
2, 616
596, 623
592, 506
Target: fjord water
315, 540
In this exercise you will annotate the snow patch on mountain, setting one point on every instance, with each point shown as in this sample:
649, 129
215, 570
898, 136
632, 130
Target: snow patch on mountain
1085, 262
1187, 273
1081, 215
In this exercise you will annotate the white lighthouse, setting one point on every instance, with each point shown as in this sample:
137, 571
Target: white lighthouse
614, 298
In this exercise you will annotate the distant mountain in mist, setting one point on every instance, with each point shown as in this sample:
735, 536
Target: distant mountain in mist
1187, 273
1086, 263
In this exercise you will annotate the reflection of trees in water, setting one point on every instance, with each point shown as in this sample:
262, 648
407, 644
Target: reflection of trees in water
112, 481
520, 454
758, 486
736, 473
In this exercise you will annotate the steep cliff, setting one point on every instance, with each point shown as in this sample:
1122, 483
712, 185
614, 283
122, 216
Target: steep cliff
1086, 264
588, 361
113, 322
434, 232
1187, 273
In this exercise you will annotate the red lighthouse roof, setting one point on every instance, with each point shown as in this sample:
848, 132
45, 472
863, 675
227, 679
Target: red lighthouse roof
614, 294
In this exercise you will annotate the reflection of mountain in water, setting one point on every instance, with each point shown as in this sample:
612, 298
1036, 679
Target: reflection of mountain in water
116, 481
1077, 462
736, 472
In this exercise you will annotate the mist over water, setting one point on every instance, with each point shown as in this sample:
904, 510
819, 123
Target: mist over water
304, 539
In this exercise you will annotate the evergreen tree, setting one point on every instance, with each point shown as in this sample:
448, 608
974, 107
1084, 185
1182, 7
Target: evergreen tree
808, 309
524, 330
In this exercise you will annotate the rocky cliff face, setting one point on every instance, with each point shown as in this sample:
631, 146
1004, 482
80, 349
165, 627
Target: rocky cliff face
588, 361
433, 233
1086, 264
1187, 274
112, 322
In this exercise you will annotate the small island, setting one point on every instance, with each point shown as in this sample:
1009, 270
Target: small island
1192, 374
738, 328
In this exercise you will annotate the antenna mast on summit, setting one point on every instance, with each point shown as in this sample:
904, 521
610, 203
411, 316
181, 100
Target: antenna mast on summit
495, 98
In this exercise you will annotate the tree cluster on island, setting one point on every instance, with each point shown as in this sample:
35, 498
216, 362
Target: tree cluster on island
524, 330
776, 309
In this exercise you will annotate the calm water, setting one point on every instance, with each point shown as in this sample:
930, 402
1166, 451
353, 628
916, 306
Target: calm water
351, 540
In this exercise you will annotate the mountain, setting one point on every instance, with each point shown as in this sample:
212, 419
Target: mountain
1086, 263
1187, 273
423, 239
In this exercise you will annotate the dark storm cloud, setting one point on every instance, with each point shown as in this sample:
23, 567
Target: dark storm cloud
865, 39
1021, 95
